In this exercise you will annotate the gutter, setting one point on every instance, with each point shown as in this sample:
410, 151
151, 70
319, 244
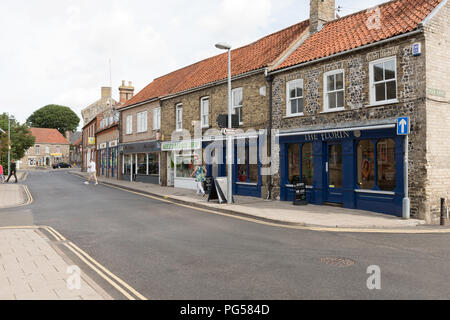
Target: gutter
414, 32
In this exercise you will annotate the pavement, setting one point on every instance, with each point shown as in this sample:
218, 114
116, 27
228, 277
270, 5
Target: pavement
271, 210
32, 269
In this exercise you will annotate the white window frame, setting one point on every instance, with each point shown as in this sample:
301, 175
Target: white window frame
326, 107
37, 150
288, 98
204, 115
234, 107
157, 118
372, 83
47, 149
179, 117
141, 121
129, 124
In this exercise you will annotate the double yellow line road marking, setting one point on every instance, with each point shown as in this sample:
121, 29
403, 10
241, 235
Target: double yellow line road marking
125, 289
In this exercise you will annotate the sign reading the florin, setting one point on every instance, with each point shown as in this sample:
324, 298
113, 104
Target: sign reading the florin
181, 145
327, 136
403, 126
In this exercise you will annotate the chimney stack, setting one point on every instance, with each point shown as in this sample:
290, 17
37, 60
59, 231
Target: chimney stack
126, 91
321, 12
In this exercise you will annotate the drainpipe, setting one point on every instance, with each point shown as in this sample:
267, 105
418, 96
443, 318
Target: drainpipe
269, 79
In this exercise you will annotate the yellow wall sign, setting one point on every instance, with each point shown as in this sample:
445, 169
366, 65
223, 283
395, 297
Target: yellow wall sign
91, 140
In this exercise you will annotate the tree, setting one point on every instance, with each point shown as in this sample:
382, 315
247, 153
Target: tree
55, 117
21, 140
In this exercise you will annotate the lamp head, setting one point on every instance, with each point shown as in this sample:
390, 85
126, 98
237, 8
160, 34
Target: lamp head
223, 46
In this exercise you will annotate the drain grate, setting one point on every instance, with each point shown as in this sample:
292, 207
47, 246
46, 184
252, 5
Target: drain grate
337, 261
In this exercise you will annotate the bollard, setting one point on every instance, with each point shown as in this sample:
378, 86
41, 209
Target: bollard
443, 215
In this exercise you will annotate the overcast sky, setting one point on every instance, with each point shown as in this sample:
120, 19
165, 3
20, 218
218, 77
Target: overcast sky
58, 51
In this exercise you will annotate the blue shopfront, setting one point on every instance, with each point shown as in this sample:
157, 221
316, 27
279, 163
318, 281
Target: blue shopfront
358, 167
247, 179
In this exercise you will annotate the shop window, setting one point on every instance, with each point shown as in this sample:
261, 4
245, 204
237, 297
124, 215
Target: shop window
184, 166
386, 164
127, 164
247, 162
308, 164
142, 163
383, 81
294, 163
153, 164
366, 164
334, 90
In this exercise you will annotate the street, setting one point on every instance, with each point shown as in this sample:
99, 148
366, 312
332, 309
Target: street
167, 251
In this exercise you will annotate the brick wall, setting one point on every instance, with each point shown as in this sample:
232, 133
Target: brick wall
437, 51
150, 134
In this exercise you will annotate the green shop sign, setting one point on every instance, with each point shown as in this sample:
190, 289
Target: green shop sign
181, 145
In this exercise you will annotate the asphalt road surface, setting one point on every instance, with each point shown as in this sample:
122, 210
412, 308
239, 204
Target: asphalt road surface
166, 251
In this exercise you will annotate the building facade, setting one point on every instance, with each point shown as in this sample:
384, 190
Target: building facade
50, 148
337, 114
107, 140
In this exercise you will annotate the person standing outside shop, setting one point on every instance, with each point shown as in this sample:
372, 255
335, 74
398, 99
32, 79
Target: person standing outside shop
92, 172
200, 175
13, 171
2, 178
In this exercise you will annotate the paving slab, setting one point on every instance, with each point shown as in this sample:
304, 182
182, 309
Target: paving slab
41, 275
11, 195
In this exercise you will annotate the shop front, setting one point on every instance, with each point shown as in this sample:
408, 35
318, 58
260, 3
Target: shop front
108, 159
180, 162
141, 161
358, 167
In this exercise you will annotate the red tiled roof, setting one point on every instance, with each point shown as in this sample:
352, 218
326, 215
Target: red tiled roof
44, 135
352, 31
256, 55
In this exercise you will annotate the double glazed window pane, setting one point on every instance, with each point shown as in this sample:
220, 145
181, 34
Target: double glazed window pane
295, 97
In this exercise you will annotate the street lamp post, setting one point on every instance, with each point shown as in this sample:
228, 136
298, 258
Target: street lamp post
227, 47
9, 145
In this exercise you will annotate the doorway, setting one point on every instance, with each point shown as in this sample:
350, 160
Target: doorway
333, 173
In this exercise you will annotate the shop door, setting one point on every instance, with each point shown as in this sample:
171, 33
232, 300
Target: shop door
333, 169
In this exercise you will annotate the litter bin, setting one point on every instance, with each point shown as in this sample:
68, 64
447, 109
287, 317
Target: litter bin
300, 195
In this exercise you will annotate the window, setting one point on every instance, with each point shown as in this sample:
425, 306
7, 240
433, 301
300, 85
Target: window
47, 150
129, 127
141, 119
179, 117
383, 81
294, 97
153, 163
334, 90
156, 118
376, 172
294, 163
386, 164
204, 112
142, 163
184, 166
247, 161
237, 101
58, 149
38, 150
366, 164
308, 164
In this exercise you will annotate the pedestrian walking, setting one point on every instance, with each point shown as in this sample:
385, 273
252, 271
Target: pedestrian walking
200, 175
92, 172
12, 172
2, 177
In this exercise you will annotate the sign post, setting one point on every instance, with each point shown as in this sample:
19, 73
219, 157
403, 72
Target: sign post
403, 130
